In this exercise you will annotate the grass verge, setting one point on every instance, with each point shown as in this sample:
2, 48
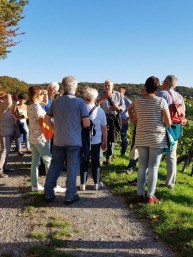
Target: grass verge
172, 219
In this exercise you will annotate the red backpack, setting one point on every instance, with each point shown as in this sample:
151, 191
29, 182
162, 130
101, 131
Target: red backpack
177, 112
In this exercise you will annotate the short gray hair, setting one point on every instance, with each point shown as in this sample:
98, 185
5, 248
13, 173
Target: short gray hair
90, 94
69, 84
54, 85
171, 81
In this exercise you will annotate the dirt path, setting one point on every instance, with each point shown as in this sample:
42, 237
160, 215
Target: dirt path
106, 228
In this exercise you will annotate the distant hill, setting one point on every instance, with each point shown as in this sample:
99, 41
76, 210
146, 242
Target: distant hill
132, 90
12, 85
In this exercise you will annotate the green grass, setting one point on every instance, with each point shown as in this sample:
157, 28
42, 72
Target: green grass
54, 222
38, 235
172, 219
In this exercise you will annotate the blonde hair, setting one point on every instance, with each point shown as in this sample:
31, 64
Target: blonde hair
90, 94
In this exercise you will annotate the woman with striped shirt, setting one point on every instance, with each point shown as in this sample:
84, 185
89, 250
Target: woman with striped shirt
153, 118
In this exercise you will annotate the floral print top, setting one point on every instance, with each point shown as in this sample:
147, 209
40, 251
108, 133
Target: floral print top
35, 112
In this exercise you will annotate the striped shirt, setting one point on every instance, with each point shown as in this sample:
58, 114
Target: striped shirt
151, 131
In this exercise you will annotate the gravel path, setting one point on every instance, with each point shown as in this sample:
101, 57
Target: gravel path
106, 227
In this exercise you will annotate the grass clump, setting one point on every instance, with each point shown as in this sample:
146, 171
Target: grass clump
38, 235
54, 222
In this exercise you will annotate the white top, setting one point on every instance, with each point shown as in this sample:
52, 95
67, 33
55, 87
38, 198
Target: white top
98, 118
35, 112
22, 112
151, 131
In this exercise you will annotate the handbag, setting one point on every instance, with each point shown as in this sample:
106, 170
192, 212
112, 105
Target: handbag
176, 131
47, 131
16, 132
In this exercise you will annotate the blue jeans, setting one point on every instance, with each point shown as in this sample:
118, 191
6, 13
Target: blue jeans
171, 164
149, 160
73, 165
124, 142
39, 150
24, 137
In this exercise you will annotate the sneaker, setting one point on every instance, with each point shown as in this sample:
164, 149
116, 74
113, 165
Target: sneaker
129, 170
152, 199
59, 189
82, 187
76, 199
50, 199
98, 186
38, 188
2, 175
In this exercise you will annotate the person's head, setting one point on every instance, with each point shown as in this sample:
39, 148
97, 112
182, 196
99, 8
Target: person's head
169, 82
21, 98
69, 84
15, 96
121, 90
108, 86
35, 93
90, 94
151, 85
53, 88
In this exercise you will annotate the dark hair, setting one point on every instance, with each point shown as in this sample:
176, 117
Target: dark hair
32, 91
152, 84
21, 96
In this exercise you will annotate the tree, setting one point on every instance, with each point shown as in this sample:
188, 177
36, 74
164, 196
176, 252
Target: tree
10, 14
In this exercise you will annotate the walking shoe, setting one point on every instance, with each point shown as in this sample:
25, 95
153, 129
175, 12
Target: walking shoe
108, 161
98, 186
59, 189
82, 187
2, 175
76, 199
38, 188
152, 199
129, 170
50, 199
141, 199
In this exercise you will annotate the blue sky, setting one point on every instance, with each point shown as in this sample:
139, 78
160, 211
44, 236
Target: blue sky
123, 40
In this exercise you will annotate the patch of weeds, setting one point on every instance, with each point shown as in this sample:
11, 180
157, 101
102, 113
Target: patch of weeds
58, 223
30, 209
42, 251
61, 233
38, 235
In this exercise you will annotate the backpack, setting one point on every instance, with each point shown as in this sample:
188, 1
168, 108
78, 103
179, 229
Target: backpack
177, 112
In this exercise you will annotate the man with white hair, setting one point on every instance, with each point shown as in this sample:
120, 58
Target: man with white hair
70, 114
52, 91
170, 95
113, 104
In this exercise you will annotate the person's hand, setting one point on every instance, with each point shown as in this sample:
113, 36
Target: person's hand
104, 145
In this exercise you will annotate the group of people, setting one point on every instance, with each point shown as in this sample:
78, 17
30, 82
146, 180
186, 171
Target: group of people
108, 113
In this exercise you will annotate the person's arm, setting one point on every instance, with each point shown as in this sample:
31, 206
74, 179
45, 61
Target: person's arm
104, 137
166, 116
85, 122
48, 120
45, 98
